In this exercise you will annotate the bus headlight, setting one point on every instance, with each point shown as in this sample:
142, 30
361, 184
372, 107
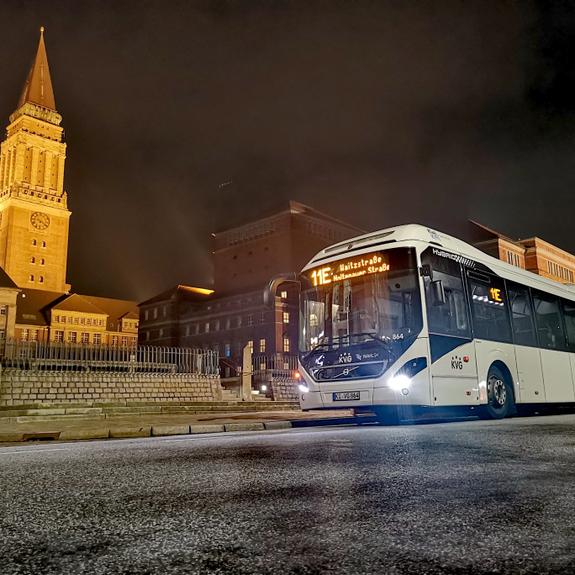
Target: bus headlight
303, 388
399, 382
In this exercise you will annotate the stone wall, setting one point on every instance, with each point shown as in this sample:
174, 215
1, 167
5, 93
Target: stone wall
20, 387
283, 389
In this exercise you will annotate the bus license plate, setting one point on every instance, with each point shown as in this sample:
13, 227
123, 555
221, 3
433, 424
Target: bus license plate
346, 396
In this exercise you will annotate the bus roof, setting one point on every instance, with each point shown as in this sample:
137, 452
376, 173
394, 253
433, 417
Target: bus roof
412, 234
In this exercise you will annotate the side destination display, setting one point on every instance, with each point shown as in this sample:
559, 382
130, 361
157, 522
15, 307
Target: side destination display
356, 267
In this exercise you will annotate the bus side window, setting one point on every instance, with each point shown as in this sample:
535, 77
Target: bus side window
449, 318
569, 315
549, 325
489, 306
522, 315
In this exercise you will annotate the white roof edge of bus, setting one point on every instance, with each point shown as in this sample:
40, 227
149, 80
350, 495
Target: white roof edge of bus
418, 232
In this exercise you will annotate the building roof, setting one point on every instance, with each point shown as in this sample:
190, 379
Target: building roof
6, 280
115, 309
33, 306
299, 208
78, 303
180, 292
481, 232
296, 208
38, 87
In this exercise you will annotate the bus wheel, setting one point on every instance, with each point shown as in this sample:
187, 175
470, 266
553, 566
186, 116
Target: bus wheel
500, 402
387, 415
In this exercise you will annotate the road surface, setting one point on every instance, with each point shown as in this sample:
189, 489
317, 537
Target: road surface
455, 498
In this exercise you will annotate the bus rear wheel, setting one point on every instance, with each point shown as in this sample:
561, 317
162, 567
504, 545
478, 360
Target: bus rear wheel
500, 401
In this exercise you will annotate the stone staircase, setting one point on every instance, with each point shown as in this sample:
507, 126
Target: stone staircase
233, 395
230, 395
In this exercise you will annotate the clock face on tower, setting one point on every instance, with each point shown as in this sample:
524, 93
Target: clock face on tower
40, 220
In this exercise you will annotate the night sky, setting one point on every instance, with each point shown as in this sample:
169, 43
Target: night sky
376, 112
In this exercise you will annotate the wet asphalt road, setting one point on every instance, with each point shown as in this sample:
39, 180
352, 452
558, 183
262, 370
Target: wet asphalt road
460, 498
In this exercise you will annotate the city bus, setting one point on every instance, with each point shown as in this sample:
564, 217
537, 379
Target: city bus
410, 317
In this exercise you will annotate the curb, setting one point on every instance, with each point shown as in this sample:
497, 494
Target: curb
124, 432
141, 431
348, 420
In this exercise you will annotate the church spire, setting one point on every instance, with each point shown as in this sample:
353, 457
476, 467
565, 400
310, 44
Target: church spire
38, 87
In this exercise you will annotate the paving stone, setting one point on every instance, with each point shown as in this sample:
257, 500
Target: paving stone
206, 428
10, 437
75, 434
170, 429
244, 426
137, 431
277, 424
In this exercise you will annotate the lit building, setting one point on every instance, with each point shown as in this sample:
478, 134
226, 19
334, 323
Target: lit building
75, 319
35, 300
34, 216
533, 254
245, 259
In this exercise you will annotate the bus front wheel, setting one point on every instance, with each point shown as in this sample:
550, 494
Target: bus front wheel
500, 401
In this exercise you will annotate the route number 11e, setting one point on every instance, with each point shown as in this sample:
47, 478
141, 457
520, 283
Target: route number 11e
321, 277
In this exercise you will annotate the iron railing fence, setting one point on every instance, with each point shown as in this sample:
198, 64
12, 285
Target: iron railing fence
229, 369
52, 356
276, 363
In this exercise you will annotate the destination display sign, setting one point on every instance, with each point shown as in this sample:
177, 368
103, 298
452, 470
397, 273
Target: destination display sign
359, 266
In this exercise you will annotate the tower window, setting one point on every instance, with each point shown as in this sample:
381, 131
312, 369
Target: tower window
31, 278
43, 244
32, 260
42, 261
41, 279
34, 242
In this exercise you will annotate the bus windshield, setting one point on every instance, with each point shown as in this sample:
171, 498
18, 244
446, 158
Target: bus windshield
370, 298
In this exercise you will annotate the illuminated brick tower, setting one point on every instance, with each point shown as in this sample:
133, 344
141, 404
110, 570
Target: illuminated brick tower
34, 217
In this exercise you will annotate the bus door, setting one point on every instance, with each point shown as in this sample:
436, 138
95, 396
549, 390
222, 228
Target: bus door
452, 352
491, 324
527, 354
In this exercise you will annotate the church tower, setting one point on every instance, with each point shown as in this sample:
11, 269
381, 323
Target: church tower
34, 216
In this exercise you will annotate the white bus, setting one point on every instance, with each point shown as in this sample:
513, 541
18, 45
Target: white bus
411, 317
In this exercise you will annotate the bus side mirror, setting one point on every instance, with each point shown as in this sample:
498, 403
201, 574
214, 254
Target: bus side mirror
271, 289
437, 293
425, 271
